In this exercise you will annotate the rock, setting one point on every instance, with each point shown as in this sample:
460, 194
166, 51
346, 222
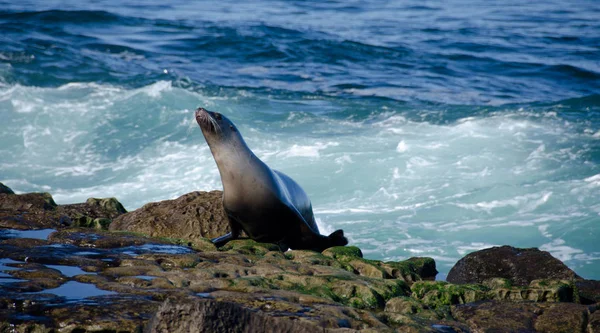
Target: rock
343, 252
83, 237
519, 266
193, 314
565, 317
412, 269
588, 291
594, 323
424, 267
192, 216
494, 316
537, 291
409, 270
5, 189
28, 211
27, 201
436, 294
39, 211
404, 305
110, 205
94, 213
248, 246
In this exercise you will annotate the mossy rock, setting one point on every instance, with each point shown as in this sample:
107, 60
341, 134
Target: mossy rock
369, 268
358, 294
436, 294
83, 221
404, 305
248, 246
312, 258
538, 291
362, 293
351, 259
309, 285
412, 270
110, 204
343, 252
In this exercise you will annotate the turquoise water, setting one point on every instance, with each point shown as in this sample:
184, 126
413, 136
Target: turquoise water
421, 129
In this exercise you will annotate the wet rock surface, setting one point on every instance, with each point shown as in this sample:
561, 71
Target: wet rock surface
64, 278
519, 266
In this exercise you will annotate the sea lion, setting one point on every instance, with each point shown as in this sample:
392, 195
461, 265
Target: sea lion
266, 204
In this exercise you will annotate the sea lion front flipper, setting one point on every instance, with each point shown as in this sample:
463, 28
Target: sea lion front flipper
236, 230
222, 240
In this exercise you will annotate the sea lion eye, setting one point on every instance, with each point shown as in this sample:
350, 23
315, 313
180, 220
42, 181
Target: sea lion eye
232, 128
218, 116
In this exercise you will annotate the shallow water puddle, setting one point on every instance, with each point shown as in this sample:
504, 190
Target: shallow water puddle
68, 271
155, 248
5, 277
35, 234
145, 277
5, 261
74, 290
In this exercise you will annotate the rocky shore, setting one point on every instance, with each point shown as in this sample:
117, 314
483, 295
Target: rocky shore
93, 267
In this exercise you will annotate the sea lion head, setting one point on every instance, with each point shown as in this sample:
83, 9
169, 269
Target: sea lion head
216, 128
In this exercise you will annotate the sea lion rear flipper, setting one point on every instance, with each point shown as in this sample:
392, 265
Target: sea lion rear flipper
337, 238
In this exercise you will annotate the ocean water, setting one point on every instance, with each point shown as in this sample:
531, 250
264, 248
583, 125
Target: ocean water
421, 128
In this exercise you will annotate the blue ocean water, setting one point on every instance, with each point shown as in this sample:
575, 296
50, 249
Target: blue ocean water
422, 128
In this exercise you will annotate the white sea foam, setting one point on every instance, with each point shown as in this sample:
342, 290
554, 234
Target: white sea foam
398, 187
402, 147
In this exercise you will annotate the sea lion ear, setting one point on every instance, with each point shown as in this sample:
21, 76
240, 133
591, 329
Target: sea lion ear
337, 238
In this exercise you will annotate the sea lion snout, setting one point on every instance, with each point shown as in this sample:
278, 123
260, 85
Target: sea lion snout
202, 116
200, 112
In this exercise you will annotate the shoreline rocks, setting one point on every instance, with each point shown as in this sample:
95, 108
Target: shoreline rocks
76, 276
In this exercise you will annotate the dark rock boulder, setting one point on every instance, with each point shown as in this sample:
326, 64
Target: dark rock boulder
192, 216
5, 189
193, 315
519, 266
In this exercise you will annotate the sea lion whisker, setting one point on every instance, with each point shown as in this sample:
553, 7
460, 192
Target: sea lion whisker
215, 125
